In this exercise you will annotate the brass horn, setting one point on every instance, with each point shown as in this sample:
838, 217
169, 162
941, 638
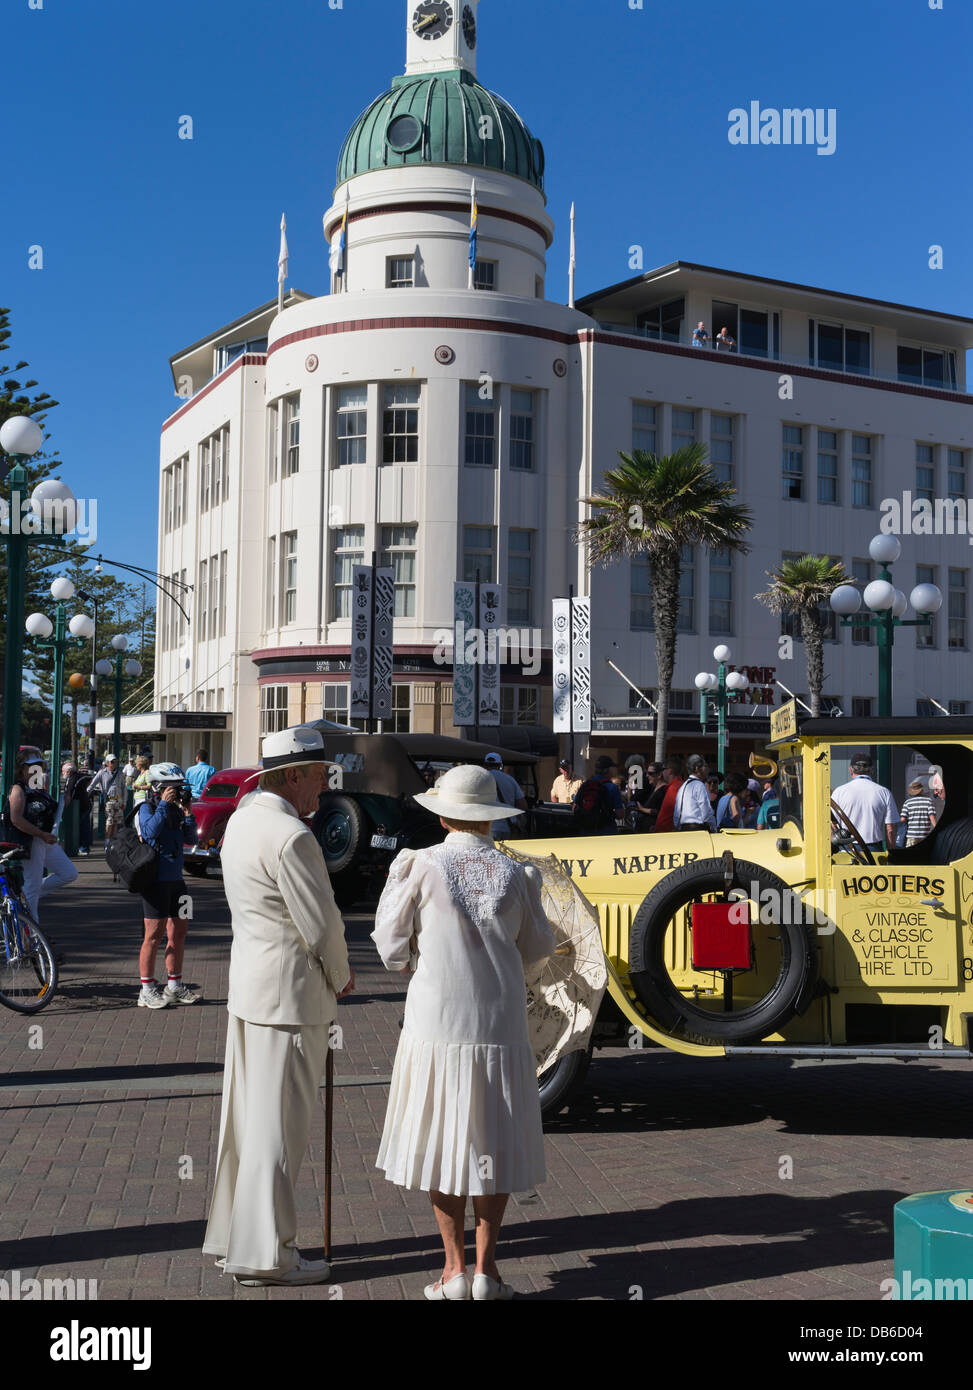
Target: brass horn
764, 769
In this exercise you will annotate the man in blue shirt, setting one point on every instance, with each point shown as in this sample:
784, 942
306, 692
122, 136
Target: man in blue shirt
694, 809
165, 821
199, 774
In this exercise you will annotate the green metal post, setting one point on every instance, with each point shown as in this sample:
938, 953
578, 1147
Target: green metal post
57, 719
16, 543
119, 678
721, 704
885, 636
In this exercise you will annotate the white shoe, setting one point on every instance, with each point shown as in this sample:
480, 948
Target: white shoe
453, 1291
487, 1290
182, 994
152, 997
304, 1272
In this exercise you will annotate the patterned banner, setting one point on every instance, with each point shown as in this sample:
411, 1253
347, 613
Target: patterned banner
491, 618
562, 666
361, 642
581, 664
382, 655
464, 676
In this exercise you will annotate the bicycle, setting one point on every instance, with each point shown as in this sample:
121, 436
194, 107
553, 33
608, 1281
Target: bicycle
28, 971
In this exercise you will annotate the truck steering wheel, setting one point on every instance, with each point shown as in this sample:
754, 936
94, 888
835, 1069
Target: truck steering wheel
858, 849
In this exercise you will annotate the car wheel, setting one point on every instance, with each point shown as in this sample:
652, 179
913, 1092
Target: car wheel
339, 828
559, 1085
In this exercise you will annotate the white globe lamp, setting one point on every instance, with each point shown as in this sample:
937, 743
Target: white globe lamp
103, 668
737, 681
885, 550
82, 626
55, 504
880, 595
62, 589
900, 605
846, 600
722, 655
133, 668
926, 598
21, 435
39, 625
119, 643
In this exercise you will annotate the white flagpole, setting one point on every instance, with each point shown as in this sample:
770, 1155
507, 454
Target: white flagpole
282, 264
571, 263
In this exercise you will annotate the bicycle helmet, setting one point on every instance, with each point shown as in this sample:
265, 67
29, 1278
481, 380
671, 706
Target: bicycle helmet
162, 775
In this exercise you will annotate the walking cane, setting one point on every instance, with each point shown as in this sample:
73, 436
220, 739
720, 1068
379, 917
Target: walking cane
328, 1131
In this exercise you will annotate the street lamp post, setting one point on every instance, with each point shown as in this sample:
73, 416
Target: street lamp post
887, 606
123, 669
718, 688
40, 628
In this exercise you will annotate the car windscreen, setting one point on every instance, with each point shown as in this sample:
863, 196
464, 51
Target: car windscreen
225, 791
792, 791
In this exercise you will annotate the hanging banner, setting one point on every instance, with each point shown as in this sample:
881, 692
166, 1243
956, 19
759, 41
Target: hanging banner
361, 642
562, 665
581, 664
382, 655
464, 674
491, 619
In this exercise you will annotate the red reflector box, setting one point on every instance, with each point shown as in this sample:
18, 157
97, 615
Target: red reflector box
721, 936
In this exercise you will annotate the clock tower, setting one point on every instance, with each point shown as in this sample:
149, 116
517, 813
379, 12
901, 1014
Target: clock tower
442, 36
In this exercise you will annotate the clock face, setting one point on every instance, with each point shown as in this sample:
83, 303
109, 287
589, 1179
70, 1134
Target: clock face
469, 27
433, 20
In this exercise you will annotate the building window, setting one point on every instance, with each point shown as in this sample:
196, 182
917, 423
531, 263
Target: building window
794, 462
220, 629
273, 441
399, 554
721, 592
926, 635
167, 500
174, 494
292, 436
352, 425
927, 366
204, 475
214, 597
231, 351
481, 428
683, 428
522, 430
479, 554
827, 467
925, 709
664, 321
400, 425
485, 275
831, 704
202, 601
348, 550
538, 287
519, 705
273, 709
861, 470
840, 349
959, 706
641, 614
861, 573
957, 610
644, 424
271, 581
861, 706
955, 473
925, 472
721, 447
687, 590
791, 622
400, 272
335, 703
288, 577
520, 579
401, 720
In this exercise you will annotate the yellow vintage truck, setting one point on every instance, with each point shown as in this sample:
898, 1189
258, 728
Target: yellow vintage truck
797, 941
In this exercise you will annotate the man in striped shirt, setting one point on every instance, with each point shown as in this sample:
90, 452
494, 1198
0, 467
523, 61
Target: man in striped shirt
919, 814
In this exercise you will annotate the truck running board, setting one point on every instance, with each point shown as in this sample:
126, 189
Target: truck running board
844, 1050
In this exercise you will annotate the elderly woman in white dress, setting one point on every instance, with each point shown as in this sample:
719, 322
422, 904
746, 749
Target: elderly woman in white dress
464, 1116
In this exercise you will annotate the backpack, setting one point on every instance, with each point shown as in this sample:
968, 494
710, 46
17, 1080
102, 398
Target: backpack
128, 856
592, 807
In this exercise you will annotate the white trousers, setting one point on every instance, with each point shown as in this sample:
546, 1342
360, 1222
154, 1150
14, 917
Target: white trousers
270, 1089
60, 872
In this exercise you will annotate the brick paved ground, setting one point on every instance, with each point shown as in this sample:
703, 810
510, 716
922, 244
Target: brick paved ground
665, 1180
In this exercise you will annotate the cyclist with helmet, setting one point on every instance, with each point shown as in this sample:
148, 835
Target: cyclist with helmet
165, 821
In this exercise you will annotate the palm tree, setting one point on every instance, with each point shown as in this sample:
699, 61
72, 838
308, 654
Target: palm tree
654, 505
804, 586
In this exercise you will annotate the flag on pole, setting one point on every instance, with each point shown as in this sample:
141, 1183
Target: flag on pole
282, 262
474, 220
340, 244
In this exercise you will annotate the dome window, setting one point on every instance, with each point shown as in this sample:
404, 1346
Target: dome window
403, 134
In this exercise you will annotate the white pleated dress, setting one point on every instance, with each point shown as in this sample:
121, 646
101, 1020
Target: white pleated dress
464, 1113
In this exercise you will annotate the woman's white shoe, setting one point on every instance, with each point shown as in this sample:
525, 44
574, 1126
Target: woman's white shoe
487, 1290
453, 1291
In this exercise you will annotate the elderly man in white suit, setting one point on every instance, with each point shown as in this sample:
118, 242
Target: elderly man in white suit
288, 967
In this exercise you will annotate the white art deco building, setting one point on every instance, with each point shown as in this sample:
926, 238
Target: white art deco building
450, 429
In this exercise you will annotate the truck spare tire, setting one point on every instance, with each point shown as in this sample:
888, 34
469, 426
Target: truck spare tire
339, 828
790, 935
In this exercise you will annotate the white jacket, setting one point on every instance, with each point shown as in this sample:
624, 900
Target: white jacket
288, 960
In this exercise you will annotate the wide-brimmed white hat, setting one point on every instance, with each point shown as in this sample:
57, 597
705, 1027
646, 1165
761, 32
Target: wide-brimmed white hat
299, 747
466, 793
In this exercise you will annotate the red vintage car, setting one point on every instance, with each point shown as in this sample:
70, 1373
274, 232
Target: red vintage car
221, 796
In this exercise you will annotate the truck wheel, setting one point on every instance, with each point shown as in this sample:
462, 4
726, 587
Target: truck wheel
560, 1084
339, 827
791, 939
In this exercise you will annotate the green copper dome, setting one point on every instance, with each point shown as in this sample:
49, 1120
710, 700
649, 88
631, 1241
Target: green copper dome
436, 119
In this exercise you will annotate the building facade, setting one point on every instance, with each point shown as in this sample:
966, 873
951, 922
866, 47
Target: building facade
451, 430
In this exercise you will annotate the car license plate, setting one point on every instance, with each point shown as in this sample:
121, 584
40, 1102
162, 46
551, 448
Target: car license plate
384, 842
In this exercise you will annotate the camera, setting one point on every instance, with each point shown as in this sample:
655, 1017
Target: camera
185, 797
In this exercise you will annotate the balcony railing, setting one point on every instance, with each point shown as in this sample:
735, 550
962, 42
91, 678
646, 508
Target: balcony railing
684, 339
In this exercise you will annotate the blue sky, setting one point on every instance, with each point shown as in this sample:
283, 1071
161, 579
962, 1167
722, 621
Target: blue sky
150, 241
